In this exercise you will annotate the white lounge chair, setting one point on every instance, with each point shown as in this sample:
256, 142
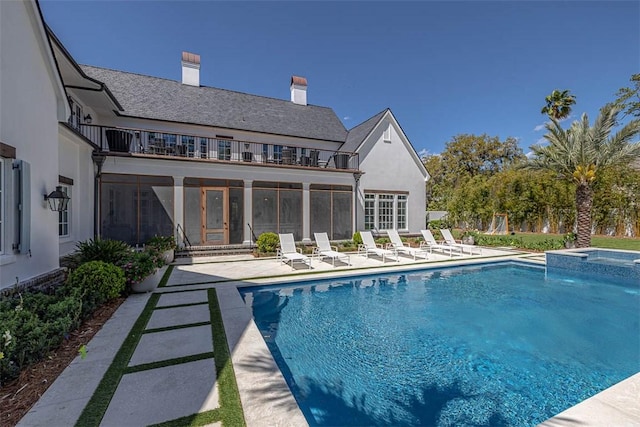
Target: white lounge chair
324, 249
288, 251
448, 238
369, 246
398, 245
431, 244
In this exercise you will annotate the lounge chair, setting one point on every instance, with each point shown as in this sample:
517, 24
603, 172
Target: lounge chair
398, 245
324, 249
448, 238
369, 246
431, 244
288, 251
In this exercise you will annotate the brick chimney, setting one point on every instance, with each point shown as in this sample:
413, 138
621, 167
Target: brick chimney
190, 69
299, 90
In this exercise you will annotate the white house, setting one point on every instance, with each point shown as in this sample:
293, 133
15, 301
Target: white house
140, 155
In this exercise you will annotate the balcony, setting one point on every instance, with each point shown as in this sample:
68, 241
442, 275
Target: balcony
184, 146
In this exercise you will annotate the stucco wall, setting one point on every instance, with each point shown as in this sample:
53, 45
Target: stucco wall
390, 166
75, 163
28, 122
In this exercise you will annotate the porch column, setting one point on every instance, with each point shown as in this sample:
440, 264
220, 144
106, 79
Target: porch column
178, 208
248, 211
306, 213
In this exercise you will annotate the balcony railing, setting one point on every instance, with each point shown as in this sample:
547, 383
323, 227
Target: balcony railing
163, 144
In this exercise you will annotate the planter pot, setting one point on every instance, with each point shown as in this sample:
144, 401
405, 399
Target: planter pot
118, 140
168, 256
150, 283
569, 245
468, 240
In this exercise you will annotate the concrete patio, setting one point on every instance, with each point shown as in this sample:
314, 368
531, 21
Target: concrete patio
171, 372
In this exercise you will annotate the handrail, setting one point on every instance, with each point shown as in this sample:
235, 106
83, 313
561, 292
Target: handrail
214, 148
255, 239
185, 239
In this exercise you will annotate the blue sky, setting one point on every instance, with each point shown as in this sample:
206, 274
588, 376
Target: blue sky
444, 68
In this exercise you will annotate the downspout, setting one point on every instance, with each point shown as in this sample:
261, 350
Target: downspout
356, 176
98, 159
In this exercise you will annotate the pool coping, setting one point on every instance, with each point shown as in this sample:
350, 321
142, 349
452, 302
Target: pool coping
617, 405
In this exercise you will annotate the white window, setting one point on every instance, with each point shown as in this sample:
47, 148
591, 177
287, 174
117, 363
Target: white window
386, 135
401, 209
369, 211
385, 211
63, 216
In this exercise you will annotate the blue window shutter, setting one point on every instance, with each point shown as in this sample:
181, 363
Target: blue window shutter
22, 236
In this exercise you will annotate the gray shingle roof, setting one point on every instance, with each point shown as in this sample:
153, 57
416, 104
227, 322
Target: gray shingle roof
358, 133
162, 99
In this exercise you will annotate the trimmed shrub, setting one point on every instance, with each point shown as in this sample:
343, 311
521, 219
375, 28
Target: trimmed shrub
268, 242
357, 238
94, 283
31, 326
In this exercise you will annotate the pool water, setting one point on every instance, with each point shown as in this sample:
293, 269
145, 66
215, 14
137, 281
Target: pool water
494, 345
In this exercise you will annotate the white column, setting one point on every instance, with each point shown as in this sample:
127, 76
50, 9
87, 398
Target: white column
306, 213
248, 211
178, 207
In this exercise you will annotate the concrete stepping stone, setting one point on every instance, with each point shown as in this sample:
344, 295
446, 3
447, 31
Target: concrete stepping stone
158, 346
179, 316
179, 298
163, 394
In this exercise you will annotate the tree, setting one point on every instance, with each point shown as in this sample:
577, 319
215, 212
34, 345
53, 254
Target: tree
629, 98
558, 104
580, 152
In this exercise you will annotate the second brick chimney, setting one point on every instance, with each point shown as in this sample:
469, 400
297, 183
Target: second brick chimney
190, 69
299, 90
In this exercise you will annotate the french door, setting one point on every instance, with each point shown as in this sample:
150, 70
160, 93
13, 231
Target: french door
215, 212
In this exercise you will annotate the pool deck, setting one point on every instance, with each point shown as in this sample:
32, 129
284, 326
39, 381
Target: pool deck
170, 392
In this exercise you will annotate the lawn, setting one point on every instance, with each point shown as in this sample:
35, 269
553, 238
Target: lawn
608, 242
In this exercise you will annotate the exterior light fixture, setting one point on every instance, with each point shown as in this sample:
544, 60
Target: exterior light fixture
58, 200
88, 119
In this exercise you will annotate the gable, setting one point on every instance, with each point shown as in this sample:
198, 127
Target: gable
387, 131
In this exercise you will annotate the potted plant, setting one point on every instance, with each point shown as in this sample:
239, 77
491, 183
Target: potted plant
468, 238
570, 240
141, 270
165, 245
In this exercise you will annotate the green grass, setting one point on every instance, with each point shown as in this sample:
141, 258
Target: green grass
99, 402
626, 243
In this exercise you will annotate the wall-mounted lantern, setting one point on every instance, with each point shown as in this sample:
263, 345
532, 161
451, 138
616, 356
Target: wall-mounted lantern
57, 199
88, 119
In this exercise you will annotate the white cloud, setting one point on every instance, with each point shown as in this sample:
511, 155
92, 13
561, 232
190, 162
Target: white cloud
541, 141
529, 154
423, 153
346, 118
540, 127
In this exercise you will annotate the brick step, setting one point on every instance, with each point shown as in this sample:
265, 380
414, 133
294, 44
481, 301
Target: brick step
200, 251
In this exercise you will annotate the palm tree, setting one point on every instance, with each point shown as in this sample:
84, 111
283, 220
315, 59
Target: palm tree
558, 104
580, 152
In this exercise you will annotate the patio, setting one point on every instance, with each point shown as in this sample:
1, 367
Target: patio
156, 359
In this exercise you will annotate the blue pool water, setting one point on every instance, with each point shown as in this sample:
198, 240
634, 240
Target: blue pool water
494, 345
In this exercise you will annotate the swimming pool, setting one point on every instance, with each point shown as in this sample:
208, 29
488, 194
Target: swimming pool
485, 345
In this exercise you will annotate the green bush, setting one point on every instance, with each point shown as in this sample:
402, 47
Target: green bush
94, 283
162, 243
268, 242
31, 326
437, 224
357, 238
111, 251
